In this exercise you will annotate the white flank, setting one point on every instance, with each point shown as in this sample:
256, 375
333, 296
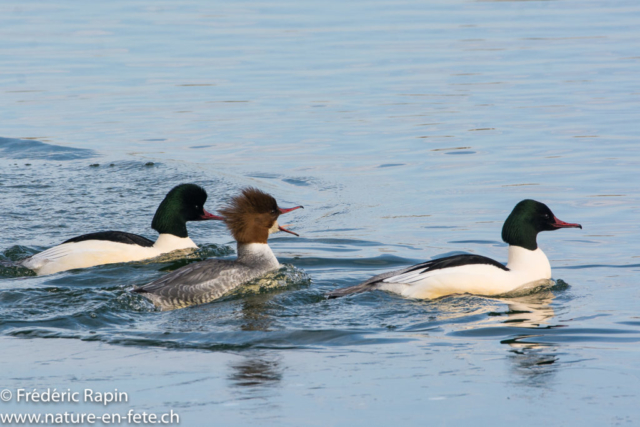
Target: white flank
89, 253
481, 279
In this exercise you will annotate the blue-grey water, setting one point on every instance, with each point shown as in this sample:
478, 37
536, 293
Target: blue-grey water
407, 129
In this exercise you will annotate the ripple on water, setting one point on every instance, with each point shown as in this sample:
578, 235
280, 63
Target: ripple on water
11, 148
8, 261
279, 310
287, 277
111, 313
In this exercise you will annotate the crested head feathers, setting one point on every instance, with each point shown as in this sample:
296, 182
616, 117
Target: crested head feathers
250, 215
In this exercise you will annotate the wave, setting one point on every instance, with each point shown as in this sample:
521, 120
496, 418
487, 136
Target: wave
11, 148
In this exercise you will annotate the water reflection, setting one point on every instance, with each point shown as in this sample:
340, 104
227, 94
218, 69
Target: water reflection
254, 313
533, 364
532, 361
257, 370
530, 311
256, 380
258, 295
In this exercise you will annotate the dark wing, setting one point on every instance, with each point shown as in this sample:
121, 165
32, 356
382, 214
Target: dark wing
415, 272
114, 236
195, 283
450, 262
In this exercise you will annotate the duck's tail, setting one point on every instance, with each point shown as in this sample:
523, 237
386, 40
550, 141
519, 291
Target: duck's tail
369, 285
357, 289
8, 263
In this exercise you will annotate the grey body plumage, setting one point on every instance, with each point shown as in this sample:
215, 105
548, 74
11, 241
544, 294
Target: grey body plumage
205, 281
250, 217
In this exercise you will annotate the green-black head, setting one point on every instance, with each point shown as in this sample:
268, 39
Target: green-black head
526, 220
185, 202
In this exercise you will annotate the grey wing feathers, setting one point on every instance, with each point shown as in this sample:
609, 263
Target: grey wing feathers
367, 285
196, 283
38, 260
53, 253
190, 275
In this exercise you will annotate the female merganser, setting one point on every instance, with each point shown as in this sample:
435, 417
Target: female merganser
183, 203
475, 274
251, 218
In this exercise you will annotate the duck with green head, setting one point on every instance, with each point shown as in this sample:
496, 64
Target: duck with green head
476, 274
183, 203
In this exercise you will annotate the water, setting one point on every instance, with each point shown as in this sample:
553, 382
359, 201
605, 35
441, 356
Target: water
408, 130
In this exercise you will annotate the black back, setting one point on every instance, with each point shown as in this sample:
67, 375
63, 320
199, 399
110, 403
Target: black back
114, 236
455, 261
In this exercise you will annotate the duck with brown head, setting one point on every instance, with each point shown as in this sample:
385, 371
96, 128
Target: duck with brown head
251, 217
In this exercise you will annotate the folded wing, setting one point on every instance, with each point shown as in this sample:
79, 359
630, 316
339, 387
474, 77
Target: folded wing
416, 273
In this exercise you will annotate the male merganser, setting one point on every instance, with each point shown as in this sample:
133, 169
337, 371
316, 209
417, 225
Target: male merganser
183, 203
251, 217
475, 274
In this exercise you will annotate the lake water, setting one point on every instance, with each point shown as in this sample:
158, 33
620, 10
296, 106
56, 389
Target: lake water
407, 129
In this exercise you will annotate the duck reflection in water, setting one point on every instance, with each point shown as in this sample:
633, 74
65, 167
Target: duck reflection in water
255, 382
254, 313
533, 361
530, 311
258, 369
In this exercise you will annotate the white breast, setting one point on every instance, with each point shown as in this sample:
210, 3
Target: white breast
169, 242
89, 253
257, 255
532, 265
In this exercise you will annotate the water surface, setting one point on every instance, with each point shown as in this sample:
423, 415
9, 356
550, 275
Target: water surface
408, 130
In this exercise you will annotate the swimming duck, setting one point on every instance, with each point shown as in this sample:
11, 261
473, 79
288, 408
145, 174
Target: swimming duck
251, 217
183, 203
475, 274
